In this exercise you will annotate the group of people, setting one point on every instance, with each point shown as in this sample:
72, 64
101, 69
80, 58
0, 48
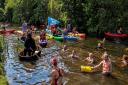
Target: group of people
57, 73
29, 41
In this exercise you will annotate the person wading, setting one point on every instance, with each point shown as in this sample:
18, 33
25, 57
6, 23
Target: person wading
57, 73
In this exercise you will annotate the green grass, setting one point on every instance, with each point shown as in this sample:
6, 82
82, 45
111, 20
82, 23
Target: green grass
3, 80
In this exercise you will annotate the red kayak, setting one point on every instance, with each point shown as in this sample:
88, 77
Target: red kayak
112, 35
7, 31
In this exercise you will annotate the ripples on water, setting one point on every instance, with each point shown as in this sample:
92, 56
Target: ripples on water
38, 73
28, 73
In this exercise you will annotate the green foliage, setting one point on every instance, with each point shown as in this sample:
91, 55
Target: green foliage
88, 15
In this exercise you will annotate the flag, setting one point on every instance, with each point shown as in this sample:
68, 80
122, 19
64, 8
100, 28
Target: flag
52, 21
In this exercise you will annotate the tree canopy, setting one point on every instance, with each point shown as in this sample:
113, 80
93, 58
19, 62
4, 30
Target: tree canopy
87, 15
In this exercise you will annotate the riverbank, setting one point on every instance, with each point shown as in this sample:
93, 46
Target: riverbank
3, 80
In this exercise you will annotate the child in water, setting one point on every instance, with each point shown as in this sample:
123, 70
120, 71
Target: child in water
64, 49
106, 65
125, 60
101, 44
90, 59
74, 55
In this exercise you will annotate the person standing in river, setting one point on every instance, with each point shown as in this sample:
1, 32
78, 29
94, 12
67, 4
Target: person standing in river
30, 45
57, 73
24, 26
106, 65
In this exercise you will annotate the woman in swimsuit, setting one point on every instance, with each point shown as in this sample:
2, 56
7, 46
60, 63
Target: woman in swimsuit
106, 65
57, 73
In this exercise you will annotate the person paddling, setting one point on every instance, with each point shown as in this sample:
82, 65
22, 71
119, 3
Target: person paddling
57, 73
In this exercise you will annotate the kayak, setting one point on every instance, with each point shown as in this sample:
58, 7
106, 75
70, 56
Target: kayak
70, 38
81, 36
86, 68
58, 38
7, 31
19, 32
112, 35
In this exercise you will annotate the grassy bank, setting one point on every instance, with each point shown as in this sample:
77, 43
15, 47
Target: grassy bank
3, 80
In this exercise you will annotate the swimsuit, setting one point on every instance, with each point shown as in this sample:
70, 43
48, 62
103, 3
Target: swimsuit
106, 68
60, 75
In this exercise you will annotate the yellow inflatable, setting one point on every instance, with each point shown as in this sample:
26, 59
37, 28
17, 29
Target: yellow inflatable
49, 37
86, 68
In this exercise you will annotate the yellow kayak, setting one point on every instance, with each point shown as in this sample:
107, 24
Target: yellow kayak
49, 37
86, 68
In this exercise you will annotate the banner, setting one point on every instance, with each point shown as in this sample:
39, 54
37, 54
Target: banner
52, 21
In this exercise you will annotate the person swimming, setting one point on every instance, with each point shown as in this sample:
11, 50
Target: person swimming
100, 44
64, 49
106, 65
90, 59
124, 60
74, 55
57, 73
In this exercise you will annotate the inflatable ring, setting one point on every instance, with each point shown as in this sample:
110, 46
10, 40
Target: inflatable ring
86, 68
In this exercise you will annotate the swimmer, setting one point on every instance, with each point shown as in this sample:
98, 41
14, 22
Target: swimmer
74, 55
64, 49
90, 59
125, 60
100, 46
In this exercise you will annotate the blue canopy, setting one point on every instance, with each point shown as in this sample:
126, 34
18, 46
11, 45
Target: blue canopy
52, 21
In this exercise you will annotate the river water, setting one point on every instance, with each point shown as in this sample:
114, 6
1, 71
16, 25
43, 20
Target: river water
28, 73
38, 73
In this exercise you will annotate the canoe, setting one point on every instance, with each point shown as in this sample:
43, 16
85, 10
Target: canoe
34, 57
81, 36
7, 31
19, 32
86, 68
112, 35
58, 38
43, 43
70, 38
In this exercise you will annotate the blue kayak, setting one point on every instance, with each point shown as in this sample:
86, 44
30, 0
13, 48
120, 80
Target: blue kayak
70, 38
